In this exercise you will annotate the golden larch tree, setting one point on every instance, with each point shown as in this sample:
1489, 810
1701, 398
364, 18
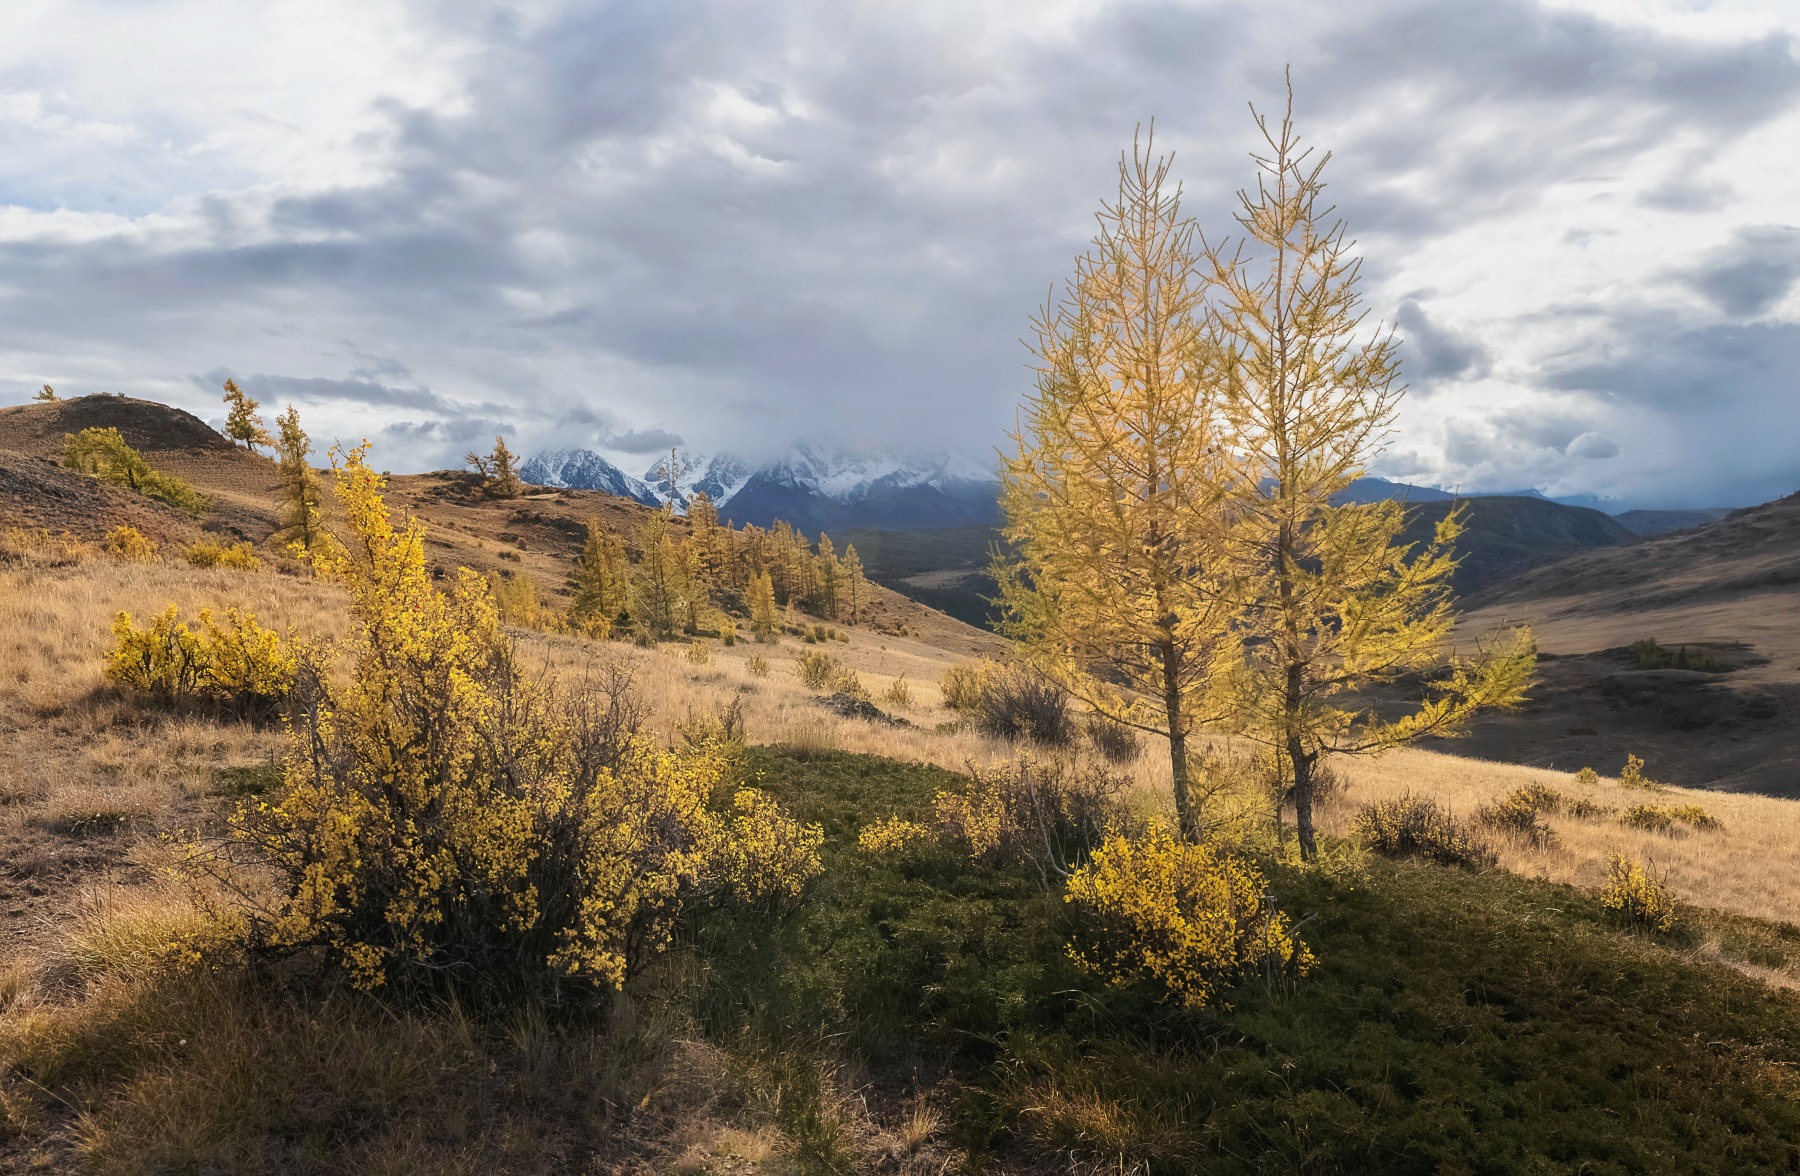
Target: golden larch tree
242, 424
301, 520
1114, 500
602, 580
763, 618
1328, 602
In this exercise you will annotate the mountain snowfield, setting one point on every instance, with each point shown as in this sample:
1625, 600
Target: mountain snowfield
811, 485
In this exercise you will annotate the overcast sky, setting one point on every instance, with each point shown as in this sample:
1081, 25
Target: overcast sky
735, 224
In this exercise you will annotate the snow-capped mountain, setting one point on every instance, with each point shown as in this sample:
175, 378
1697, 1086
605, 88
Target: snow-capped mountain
812, 486
583, 469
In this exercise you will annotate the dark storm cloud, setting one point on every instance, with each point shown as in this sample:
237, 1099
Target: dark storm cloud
748, 224
1753, 272
1434, 353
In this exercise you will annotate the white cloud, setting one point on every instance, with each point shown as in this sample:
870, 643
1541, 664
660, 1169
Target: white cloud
572, 220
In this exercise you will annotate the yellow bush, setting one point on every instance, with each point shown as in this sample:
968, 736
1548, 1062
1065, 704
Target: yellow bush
964, 685
1632, 775
1587, 776
892, 835
239, 557
767, 856
1188, 917
238, 664
698, 652
129, 545
38, 545
757, 665
446, 824
1636, 895
816, 668
898, 693
1662, 818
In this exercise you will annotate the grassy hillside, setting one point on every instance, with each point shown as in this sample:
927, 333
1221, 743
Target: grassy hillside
913, 1013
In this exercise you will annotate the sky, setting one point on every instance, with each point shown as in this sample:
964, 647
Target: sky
732, 224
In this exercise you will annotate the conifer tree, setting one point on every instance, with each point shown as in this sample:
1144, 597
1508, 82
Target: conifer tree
825, 602
855, 587
654, 601
242, 424
763, 618
602, 579
1328, 600
302, 522
498, 471
1113, 503
46, 395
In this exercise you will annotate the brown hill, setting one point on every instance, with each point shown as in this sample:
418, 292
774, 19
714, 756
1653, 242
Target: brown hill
537, 535
1729, 591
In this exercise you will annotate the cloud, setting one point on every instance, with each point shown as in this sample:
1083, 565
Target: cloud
645, 441
1753, 272
1436, 353
626, 223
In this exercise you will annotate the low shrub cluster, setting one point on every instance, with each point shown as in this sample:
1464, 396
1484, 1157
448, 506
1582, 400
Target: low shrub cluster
1587, 776
1189, 918
1636, 895
1112, 740
1416, 826
1649, 655
816, 668
1667, 818
38, 545
1044, 813
1009, 702
128, 545
1519, 814
238, 557
235, 664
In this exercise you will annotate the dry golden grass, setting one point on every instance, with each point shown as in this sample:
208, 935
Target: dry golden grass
84, 773
1747, 867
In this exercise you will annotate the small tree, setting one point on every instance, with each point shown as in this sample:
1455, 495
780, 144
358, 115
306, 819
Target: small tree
1113, 502
826, 598
655, 603
602, 578
104, 454
1328, 601
46, 395
498, 471
763, 618
242, 424
855, 586
302, 519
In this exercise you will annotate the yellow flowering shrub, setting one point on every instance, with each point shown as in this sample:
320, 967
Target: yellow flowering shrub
1632, 775
1663, 818
1636, 895
444, 823
767, 856
1188, 917
964, 684
1587, 776
894, 836
129, 545
237, 664
240, 557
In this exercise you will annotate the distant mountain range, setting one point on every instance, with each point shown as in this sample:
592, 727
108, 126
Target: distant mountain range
814, 487
824, 488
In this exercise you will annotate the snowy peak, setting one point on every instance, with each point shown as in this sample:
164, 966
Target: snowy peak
583, 469
812, 485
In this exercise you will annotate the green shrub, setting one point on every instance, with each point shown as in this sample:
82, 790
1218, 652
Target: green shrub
1415, 826
104, 454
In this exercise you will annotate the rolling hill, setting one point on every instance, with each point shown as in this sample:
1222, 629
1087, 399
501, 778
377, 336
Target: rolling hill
1729, 590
